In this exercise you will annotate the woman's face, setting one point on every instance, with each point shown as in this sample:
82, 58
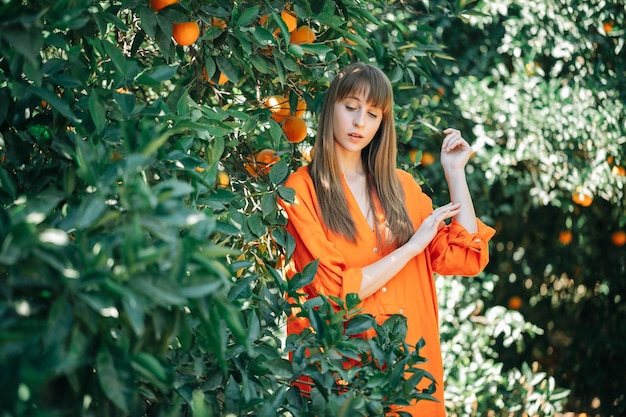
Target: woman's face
355, 122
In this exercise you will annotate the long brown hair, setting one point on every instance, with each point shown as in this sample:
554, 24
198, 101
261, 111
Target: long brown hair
379, 158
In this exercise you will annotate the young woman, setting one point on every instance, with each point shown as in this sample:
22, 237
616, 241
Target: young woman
370, 226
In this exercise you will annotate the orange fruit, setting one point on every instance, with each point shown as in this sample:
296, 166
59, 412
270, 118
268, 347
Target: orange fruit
565, 237
427, 159
413, 155
290, 19
185, 33
220, 23
300, 107
515, 302
279, 106
582, 197
303, 34
619, 238
608, 26
222, 179
160, 4
295, 129
618, 171
223, 78
262, 162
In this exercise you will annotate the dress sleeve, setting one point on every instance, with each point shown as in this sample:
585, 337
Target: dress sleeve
455, 251
333, 277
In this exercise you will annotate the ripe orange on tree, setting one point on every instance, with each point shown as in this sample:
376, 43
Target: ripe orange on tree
223, 78
290, 19
304, 34
300, 107
185, 33
295, 129
565, 237
279, 106
220, 23
160, 4
427, 159
618, 171
222, 179
582, 197
619, 238
262, 162
515, 302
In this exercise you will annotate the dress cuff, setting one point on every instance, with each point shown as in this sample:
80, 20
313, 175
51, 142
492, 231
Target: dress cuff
475, 241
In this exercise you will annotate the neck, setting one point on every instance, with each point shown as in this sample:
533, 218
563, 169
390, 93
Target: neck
350, 163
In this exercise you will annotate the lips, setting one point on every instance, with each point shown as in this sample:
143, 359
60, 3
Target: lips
355, 135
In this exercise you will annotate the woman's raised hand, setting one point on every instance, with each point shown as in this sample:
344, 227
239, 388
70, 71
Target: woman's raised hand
455, 151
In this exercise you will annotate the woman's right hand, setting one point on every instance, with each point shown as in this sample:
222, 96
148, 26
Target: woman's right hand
431, 225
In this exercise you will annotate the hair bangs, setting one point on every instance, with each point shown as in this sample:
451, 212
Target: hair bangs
369, 82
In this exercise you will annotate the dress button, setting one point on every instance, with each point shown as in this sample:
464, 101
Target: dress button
375, 250
384, 289
401, 311
477, 240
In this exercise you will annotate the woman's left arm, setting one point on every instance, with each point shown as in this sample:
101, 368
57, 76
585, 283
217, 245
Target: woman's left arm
455, 152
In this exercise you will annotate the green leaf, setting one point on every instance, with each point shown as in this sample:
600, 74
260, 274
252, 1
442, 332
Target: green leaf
109, 379
268, 204
287, 194
263, 36
279, 172
358, 324
158, 74
56, 103
7, 184
96, 109
248, 16
232, 397
304, 278
91, 209
260, 64
150, 367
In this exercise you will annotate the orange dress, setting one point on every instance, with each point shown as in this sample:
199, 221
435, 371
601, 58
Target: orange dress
412, 293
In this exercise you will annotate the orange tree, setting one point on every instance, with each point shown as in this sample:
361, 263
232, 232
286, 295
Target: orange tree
140, 241
540, 87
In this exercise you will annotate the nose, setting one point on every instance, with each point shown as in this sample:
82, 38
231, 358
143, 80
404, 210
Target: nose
358, 118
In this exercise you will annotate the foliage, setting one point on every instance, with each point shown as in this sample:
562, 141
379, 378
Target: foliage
476, 382
539, 85
136, 283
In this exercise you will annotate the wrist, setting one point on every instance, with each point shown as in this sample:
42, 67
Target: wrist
454, 173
